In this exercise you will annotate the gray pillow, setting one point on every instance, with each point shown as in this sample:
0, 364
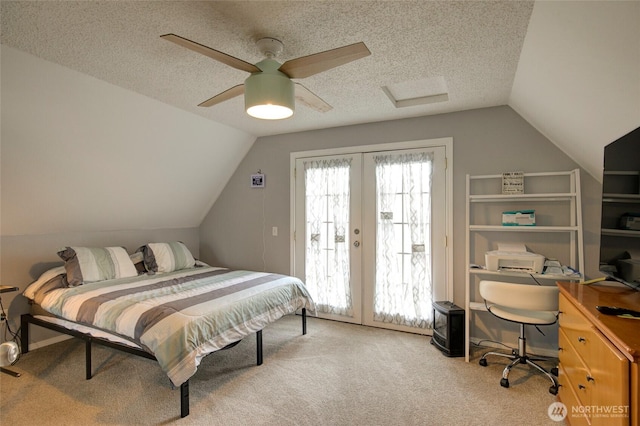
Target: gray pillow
87, 265
166, 257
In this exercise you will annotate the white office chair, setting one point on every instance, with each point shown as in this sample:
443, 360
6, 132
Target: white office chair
526, 305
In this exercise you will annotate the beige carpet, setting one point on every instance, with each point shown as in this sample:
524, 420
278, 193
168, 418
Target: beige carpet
338, 374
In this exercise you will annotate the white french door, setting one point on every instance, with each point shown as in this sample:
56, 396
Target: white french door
370, 235
327, 233
405, 256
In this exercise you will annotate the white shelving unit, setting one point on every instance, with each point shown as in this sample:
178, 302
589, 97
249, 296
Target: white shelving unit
555, 197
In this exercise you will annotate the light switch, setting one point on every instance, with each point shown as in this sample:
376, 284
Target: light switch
274, 231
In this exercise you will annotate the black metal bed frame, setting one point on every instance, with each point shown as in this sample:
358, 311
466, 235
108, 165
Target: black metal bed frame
27, 319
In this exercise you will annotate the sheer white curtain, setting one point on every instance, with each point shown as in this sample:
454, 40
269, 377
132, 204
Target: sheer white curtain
403, 287
327, 238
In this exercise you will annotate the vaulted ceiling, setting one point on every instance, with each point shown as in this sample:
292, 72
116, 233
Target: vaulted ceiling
472, 47
470, 50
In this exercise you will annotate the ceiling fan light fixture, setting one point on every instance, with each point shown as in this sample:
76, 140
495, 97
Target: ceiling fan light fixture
269, 96
270, 112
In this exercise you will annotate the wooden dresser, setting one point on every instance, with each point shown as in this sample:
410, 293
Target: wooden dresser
599, 355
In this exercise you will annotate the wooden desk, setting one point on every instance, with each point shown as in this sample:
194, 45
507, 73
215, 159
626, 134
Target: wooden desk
599, 354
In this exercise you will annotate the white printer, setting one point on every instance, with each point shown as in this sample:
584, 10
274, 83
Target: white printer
514, 257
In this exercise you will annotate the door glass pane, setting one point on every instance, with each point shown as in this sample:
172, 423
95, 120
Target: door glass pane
403, 280
327, 271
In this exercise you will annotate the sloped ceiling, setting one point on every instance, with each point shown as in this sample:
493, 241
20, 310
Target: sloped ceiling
78, 75
578, 78
82, 155
473, 46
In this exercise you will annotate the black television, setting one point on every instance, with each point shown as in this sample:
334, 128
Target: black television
620, 223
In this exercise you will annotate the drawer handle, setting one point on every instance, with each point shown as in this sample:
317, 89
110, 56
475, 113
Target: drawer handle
582, 387
590, 379
581, 339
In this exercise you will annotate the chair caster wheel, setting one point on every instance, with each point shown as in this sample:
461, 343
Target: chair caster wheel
504, 383
554, 371
553, 389
482, 362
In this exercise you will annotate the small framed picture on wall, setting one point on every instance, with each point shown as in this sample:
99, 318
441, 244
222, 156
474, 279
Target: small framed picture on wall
257, 180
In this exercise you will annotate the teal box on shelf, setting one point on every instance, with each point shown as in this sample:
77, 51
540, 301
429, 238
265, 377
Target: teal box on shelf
519, 218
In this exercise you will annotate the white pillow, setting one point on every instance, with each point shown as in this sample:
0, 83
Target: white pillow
30, 291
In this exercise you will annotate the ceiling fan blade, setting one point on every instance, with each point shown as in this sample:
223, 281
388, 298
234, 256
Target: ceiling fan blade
212, 53
224, 96
310, 99
307, 66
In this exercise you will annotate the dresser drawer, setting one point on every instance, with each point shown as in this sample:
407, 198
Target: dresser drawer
567, 395
570, 316
595, 374
588, 342
578, 330
609, 374
576, 372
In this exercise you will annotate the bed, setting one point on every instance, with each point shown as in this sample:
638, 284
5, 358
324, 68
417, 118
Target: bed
159, 303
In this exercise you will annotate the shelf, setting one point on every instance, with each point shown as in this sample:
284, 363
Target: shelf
621, 233
538, 174
559, 196
621, 198
515, 274
500, 228
621, 173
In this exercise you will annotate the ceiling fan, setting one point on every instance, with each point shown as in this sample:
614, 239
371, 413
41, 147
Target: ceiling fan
269, 92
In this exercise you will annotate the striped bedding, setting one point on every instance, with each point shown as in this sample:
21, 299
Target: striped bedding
180, 316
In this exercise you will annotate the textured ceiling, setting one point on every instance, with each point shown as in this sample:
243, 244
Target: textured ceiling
474, 47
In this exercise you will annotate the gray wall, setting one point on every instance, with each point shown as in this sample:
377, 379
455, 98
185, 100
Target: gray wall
25, 257
485, 141
237, 230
